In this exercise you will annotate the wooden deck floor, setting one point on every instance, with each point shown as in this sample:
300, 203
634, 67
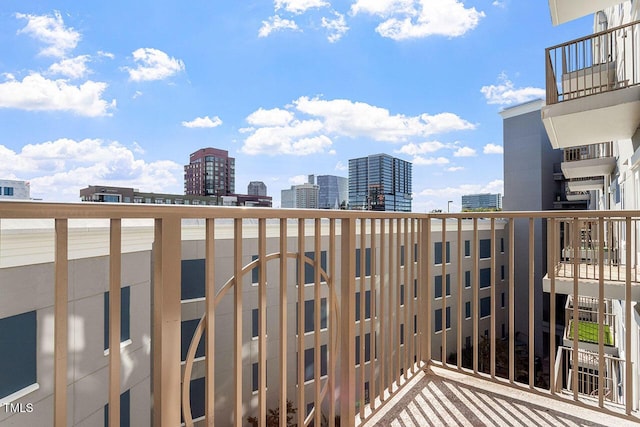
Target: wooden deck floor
441, 397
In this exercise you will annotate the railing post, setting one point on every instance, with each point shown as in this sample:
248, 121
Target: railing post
347, 316
61, 319
166, 322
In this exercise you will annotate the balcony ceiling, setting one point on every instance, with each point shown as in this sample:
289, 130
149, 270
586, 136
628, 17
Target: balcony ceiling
586, 185
607, 116
567, 10
591, 167
578, 197
613, 289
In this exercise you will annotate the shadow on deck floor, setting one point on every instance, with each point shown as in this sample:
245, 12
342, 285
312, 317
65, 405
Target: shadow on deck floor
442, 397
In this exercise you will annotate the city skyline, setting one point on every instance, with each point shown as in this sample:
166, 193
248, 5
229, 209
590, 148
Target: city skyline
305, 85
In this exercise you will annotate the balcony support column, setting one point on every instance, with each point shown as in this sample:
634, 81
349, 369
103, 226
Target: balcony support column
166, 322
61, 321
347, 327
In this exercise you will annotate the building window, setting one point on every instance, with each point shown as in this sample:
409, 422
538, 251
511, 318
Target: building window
196, 394
467, 310
415, 288
255, 272
502, 300
438, 319
125, 316
485, 248
192, 279
401, 294
255, 377
187, 329
438, 286
367, 262
467, 248
485, 307
485, 277
309, 357
401, 333
125, 410
502, 245
502, 272
367, 348
18, 352
255, 322
309, 270
310, 315
438, 252
467, 279
415, 324
367, 305
8, 191
402, 255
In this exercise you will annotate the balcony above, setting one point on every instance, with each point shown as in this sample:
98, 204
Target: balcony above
586, 184
587, 168
567, 10
593, 93
577, 196
594, 160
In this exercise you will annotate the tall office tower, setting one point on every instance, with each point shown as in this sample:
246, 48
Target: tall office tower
333, 191
257, 188
303, 196
210, 172
482, 201
380, 182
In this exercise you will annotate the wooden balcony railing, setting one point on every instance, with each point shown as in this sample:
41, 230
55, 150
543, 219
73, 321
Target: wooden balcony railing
601, 62
417, 285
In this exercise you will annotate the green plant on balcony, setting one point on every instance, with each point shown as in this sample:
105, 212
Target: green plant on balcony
588, 332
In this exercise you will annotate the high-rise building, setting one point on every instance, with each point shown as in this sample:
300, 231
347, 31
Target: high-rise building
303, 196
380, 182
333, 191
210, 172
482, 201
257, 188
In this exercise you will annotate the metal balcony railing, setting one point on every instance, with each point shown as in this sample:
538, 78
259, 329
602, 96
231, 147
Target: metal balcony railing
589, 152
602, 62
382, 275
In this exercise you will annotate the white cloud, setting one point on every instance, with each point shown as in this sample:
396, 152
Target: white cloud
298, 179
51, 31
272, 117
277, 131
341, 166
454, 169
501, 4
153, 64
492, 149
495, 186
276, 23
409, 19
465, 152
137, 94
422, 148
428, 161
58, 169
74, 68
36, 93
337, 27
296, 138
203, 122
106, 54
299, 6
358, 119
505, 93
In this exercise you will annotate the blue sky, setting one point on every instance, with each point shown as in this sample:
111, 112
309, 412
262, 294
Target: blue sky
120, 93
